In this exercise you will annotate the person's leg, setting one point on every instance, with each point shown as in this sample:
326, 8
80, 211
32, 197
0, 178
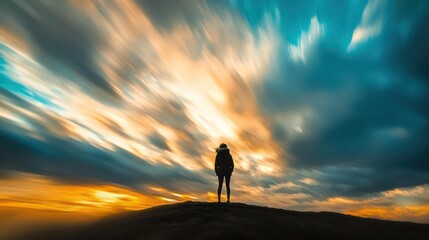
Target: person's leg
219, 188
228, 190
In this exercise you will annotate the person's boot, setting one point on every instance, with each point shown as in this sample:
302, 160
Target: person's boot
228, 201
218, 199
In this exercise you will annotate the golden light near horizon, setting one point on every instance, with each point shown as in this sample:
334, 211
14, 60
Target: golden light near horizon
36, 192
30, 191
42, 193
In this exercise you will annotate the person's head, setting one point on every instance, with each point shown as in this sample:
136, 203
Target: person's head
223, 145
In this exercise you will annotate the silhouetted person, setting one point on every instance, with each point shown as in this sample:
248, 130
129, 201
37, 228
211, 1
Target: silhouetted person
224, 166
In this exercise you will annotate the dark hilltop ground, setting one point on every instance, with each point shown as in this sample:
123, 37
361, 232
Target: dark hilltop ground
198, 220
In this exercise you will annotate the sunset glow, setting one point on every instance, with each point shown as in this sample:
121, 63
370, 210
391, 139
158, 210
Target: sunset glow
109, 106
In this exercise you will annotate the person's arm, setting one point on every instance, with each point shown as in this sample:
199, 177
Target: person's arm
216, 165
231, 163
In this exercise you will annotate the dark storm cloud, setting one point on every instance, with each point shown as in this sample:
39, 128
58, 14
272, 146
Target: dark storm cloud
383, 122
365, 181
57, 36
412, 53
366, 131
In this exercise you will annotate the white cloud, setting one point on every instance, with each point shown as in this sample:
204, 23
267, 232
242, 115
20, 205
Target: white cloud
309, 181
306, 41
288, 184
370, 25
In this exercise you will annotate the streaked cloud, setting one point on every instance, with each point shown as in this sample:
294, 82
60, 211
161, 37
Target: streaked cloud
301, 51
119, 105
308, 181
184, 97
370, 25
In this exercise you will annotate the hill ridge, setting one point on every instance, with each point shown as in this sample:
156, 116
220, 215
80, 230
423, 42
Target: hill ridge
205, 220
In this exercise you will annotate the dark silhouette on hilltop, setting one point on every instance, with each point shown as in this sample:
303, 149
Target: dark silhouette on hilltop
224, 166
194, 220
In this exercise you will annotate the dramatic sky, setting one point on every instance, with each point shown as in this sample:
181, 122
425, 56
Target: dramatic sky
118, 105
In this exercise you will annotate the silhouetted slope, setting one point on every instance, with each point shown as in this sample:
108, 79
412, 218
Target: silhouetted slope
193, 220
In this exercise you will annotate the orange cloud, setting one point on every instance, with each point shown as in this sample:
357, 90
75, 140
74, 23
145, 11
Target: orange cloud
185, 92
39, 192
418, 213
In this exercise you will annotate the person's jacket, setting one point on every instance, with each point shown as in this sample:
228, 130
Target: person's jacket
224, 164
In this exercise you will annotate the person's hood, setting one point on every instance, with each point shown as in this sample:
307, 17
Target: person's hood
222, 149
